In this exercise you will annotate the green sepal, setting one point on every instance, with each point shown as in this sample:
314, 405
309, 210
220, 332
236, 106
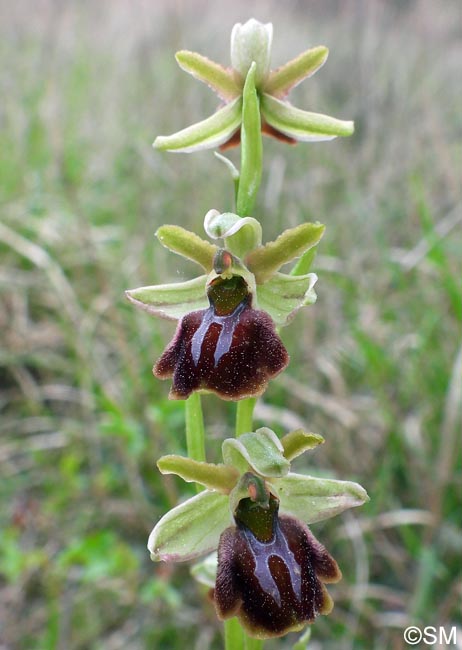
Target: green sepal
172, 301
266, 260
289, 75
221, 478
297, 442
313, 499
283, 295
205, 571
302, 125
188, 244
240, 235
260, 452
251, 147
210, 133
213, 74
190, 529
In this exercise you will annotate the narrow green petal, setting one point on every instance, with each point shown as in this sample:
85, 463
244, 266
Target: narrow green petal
217, 77
172, 301
297, 442
266, 260
241, 234
260, 452
251, 147
289, 75
209, 133
314, 499
188, 244
191, 529
302, 125
283, 295
221, 478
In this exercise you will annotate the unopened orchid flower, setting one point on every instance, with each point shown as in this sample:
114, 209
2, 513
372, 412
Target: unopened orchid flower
271, 570
226, 340
250, 66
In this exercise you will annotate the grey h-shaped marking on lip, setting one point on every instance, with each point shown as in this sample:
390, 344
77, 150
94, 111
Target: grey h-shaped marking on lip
228, 325
262, 551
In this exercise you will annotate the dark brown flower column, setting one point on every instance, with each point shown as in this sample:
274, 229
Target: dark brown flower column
229, 348
271, 572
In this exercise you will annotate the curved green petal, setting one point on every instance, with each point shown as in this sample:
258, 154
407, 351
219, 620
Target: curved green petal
188, 244
261, 452
266, 260
289, 75
172, 301
191, 529
209, 133
302, 125
297, 442
314, 499
241, 234
283, 295
217, 77
221, 478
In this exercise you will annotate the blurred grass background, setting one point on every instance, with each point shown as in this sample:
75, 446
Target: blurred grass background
376, 364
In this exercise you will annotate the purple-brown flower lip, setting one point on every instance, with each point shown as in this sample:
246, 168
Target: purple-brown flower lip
271, 571
230, 348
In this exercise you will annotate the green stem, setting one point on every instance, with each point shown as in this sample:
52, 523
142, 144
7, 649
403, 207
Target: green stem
234, 635
244, 415
237, 639
195, 431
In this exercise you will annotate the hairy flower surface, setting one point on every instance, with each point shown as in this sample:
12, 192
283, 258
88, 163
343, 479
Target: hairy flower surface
229, 348
250, 63
226, 341
193, 528
271, 571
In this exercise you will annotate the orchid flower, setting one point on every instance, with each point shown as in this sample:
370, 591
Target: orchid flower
250, 72
271, 569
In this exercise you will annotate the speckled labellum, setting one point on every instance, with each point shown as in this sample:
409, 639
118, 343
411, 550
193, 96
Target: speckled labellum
271, 571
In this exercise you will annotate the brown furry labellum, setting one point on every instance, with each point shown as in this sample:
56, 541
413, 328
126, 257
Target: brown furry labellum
229, 348
271, 571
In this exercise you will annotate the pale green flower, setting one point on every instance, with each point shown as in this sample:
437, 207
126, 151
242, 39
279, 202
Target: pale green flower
280, 295
251, 43
226, 341
193, 528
